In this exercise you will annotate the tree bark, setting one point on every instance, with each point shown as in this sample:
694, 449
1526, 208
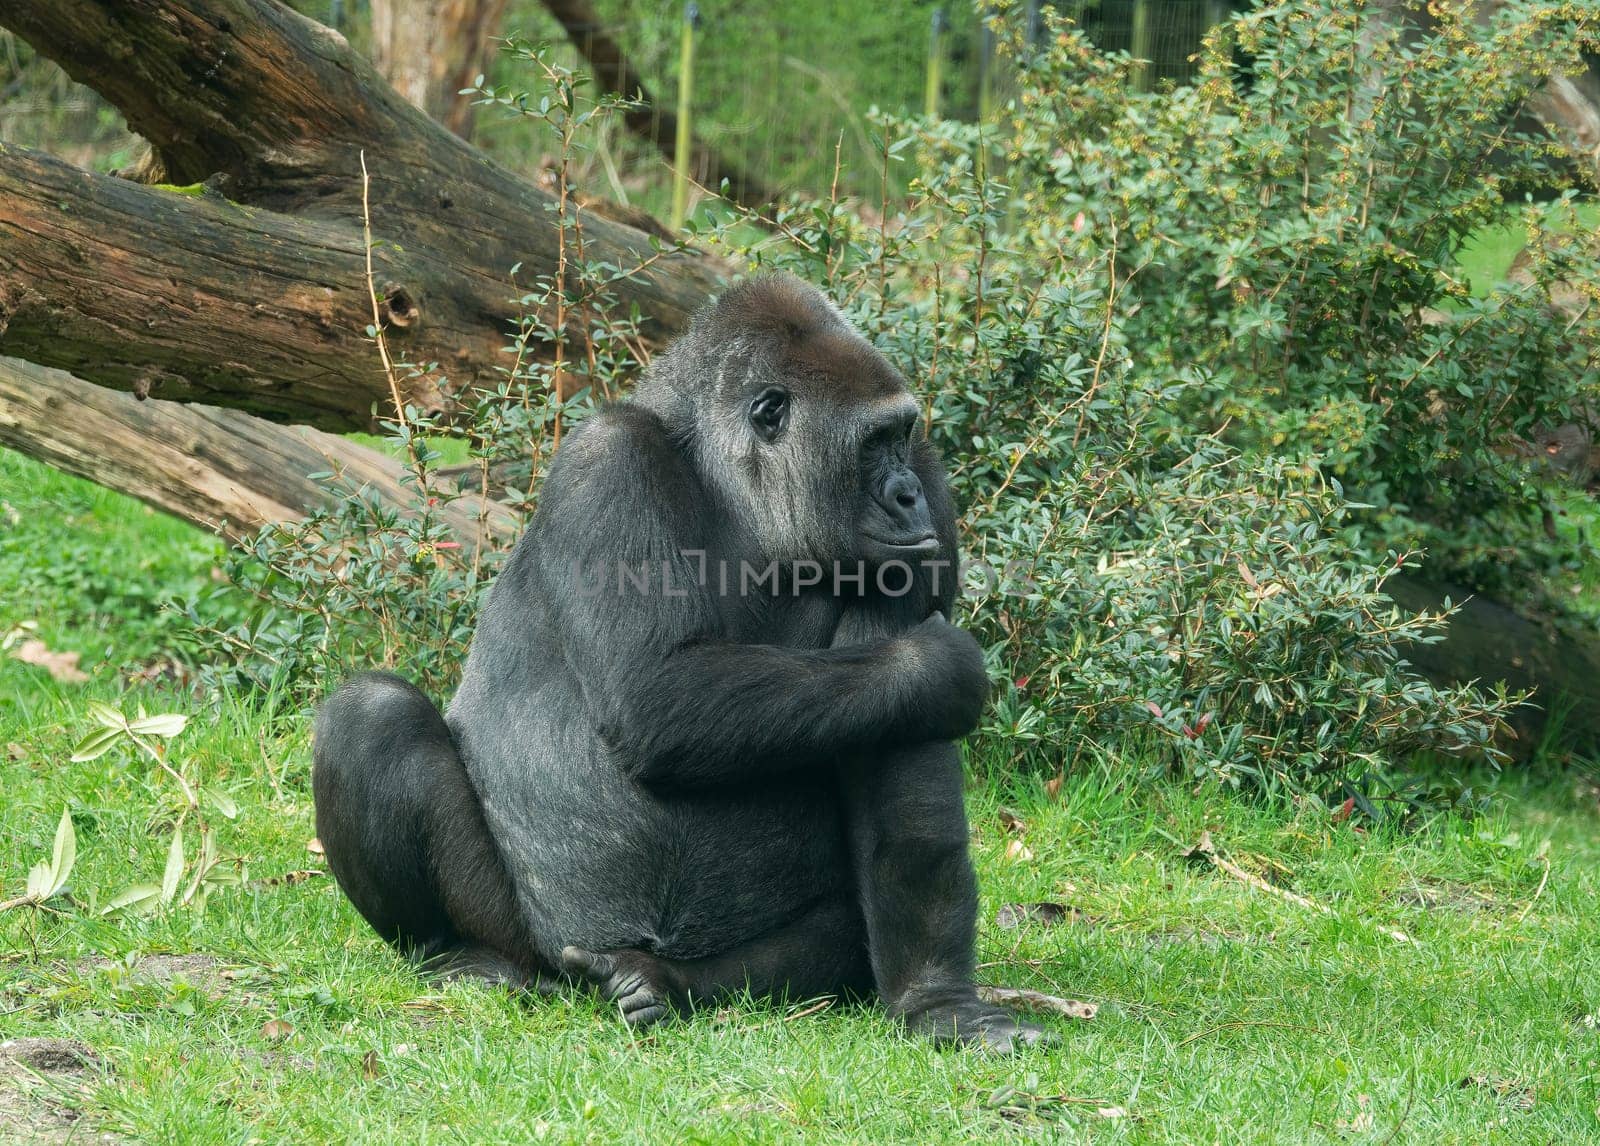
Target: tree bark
1568, 110
651, 121
250, 291
1489, 641
431, 49
220, 469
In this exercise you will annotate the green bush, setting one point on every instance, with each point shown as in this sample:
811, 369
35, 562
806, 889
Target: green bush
1158, 336
1288, 237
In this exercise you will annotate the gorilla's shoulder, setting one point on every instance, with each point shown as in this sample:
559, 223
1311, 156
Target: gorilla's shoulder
619, 450
614, 434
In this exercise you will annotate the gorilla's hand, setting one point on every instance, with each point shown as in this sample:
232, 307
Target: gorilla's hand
645, 989
952, 683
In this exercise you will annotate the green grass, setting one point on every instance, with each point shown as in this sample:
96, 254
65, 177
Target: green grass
1487, 256
1227, 1013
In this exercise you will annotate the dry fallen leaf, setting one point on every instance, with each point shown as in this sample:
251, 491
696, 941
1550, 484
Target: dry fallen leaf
1052, 786
15, 751
1012, 822
62, 666
314, 846
276, 1030
1017, 850
369, 1065
1362, 1123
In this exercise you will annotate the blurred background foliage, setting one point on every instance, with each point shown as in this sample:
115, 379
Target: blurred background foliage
776, 86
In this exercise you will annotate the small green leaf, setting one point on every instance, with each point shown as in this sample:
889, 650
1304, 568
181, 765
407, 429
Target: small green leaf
64, 855
143, 896
174, 873
108, 716
96, 744
38, 881
167, 724
222, 802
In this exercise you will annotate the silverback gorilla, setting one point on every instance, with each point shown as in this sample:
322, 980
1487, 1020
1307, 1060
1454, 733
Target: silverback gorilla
704, 740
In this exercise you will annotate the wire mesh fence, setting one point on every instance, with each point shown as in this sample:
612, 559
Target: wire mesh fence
781, 89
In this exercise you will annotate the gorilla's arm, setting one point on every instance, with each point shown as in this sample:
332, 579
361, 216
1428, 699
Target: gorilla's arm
715, 712
677, 701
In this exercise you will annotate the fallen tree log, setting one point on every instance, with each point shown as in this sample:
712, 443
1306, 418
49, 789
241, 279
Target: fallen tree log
239, 278
221, 469
1488, 641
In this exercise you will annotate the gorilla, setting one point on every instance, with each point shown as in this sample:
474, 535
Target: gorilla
704, 741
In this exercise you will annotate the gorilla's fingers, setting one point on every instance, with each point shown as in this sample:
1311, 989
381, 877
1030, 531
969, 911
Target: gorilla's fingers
643, 1006
649, 1016
596, 966
641, 1001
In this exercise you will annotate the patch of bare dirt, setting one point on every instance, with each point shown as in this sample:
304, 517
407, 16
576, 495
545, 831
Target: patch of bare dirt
42, 1082
1440, 895
203, 971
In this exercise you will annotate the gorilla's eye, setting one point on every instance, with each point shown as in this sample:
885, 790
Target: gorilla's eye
769, 413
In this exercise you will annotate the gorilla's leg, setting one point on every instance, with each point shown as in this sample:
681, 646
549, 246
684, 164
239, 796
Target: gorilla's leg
908, 833
405, 837
823, 952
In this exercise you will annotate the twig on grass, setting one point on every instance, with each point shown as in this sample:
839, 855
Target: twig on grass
820, 1005
1206, 850
1538, 891
1039, 1001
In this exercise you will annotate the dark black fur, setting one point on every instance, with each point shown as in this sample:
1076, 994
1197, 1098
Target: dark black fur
677, 793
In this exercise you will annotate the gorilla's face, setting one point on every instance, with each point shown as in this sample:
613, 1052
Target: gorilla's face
830, 428
804, 429
843, 460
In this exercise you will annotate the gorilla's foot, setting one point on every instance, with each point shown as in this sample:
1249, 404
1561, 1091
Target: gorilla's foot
644, 987
960, 1018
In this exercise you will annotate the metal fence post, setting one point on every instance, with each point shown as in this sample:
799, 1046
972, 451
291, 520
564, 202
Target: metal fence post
681, 145
1141, 45
986, 62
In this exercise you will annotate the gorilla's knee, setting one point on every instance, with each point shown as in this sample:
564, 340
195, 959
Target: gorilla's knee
373, 720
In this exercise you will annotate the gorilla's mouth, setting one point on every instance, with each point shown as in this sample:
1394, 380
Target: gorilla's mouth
924, 543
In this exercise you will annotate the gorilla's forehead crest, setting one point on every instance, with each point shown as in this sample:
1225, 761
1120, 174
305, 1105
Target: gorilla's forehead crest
806, 333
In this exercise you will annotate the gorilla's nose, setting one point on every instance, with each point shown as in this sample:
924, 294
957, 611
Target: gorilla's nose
902, 498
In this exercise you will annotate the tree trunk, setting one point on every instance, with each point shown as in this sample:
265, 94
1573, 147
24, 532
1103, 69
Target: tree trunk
220, 469
651, 121
250, 291
1488, 641
431, 49
1567, 108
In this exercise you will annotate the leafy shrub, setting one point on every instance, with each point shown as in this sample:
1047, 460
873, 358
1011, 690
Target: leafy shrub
1156, 336
1288, 236
1147, 586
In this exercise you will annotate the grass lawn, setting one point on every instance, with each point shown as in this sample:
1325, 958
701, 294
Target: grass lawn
1487, 255
1227, 1012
